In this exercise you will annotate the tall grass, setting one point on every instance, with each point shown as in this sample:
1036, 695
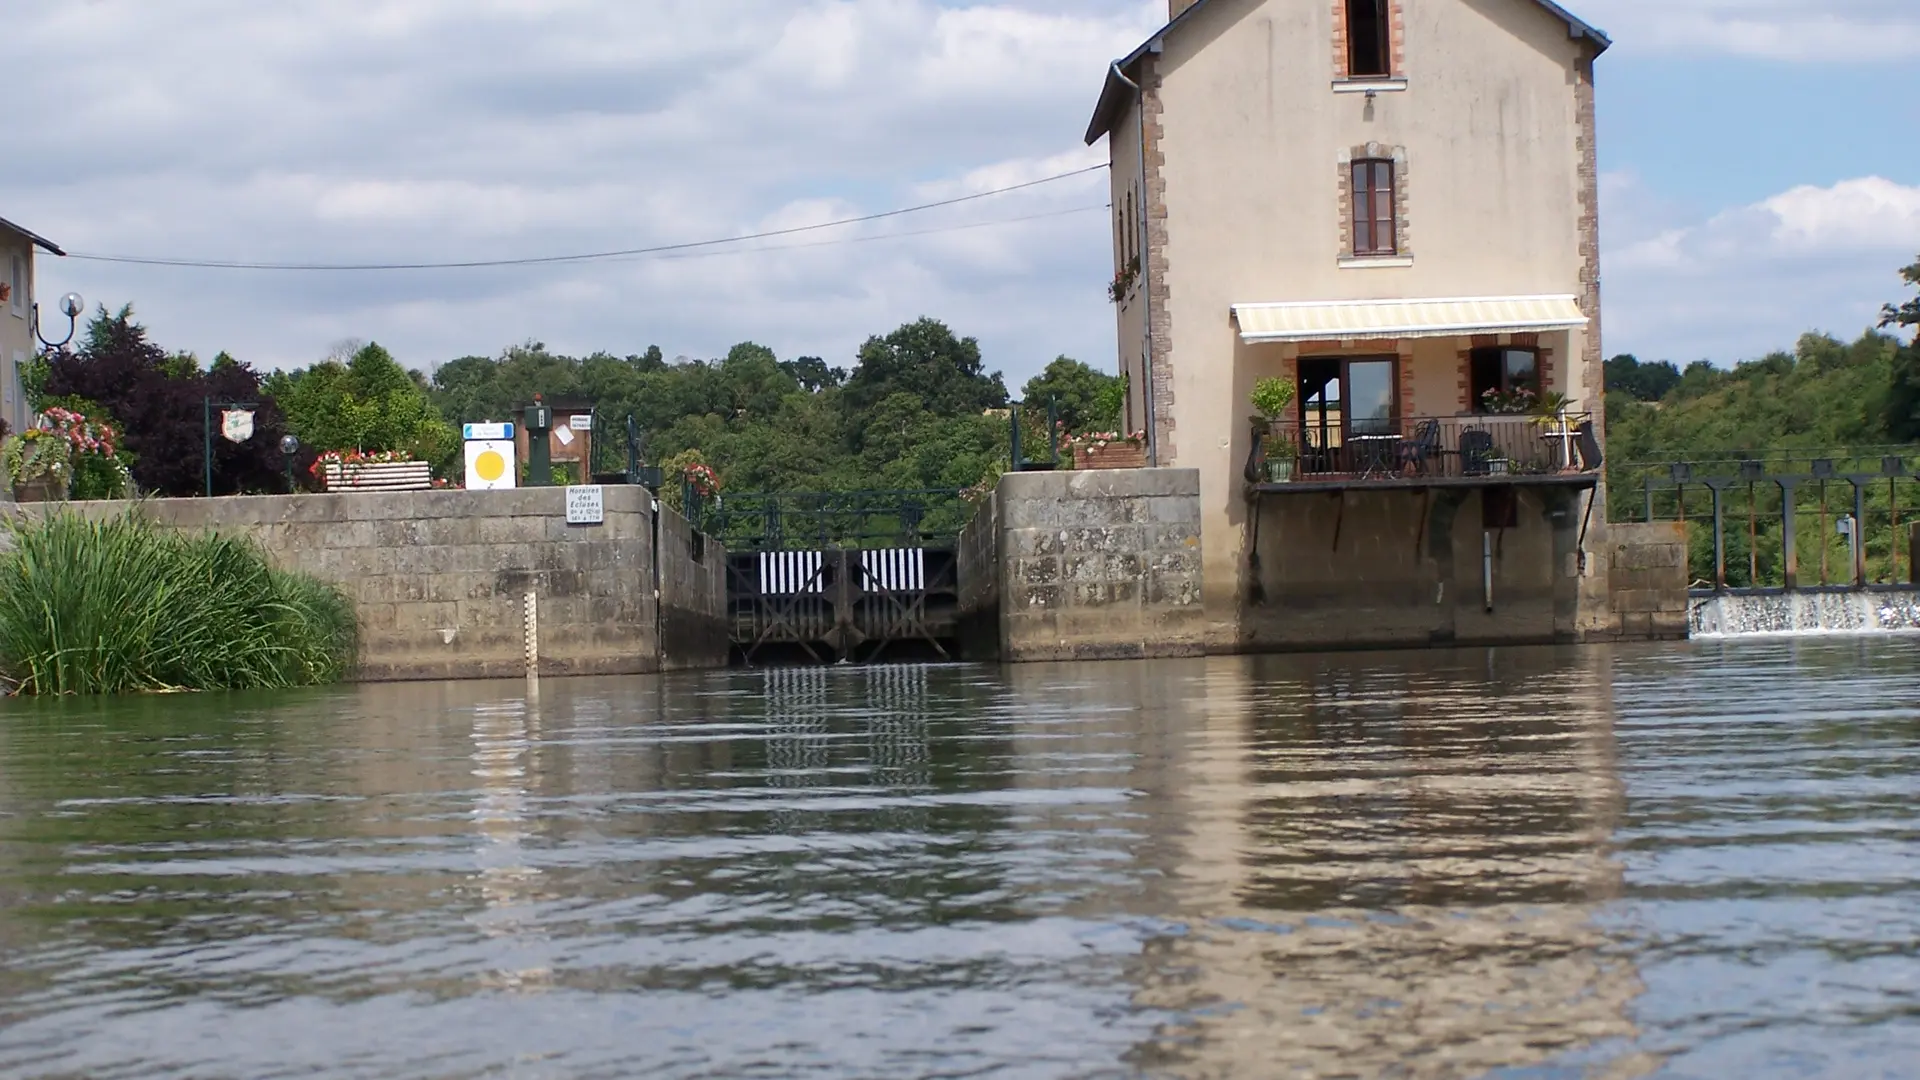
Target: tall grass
118, 606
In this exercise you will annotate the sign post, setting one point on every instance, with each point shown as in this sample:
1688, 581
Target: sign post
236, 426
490, 457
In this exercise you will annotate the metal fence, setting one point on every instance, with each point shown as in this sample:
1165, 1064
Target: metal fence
1436, 447
1783, 519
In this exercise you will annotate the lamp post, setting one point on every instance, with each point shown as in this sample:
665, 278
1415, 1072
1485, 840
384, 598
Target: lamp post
71, 305
289, 446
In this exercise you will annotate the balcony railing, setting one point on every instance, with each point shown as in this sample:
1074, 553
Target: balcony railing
1492, 449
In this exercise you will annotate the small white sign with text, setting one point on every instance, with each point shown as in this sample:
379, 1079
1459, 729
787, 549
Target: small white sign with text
580, 421
586, 505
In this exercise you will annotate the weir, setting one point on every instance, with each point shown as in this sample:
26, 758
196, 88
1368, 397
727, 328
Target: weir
1771, 614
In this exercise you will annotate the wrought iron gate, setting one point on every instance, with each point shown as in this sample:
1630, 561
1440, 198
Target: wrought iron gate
828, 576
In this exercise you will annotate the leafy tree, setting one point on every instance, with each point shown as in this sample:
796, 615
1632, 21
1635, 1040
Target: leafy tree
368, 403
159, 402
1907, 314
926, 360
813, 374
1643, 382
1084, 399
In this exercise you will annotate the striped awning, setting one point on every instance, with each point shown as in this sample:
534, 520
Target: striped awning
1377, 320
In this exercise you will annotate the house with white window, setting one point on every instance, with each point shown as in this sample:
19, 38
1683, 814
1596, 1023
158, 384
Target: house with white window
17, 247
1392, 206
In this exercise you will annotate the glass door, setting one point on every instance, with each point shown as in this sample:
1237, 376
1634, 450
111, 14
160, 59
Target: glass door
1350, 412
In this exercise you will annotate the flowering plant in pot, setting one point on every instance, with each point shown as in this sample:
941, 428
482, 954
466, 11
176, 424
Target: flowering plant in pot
38, 464
1109, 450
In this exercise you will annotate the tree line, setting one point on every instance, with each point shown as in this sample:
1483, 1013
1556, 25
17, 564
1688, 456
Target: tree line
917, 408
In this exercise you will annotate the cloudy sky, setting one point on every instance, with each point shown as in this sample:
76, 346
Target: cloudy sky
1761, 177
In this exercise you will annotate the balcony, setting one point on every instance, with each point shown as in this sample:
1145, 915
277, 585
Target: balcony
1423, 452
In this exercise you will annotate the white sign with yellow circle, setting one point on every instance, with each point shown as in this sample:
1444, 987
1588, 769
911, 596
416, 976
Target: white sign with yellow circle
490, 465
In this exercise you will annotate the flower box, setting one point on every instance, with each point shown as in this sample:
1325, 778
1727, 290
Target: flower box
43, 490
377, 476
1113, 455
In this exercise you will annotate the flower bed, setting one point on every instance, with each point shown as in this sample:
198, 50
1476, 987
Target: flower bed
1109, 450
351, 470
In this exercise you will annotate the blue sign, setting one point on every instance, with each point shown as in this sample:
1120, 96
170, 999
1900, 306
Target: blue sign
488, 432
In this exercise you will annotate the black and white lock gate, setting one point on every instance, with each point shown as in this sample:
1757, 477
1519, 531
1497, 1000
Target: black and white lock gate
842, 603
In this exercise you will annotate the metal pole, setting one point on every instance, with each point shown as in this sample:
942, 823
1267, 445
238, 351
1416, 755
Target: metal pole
1719, 541
1823, 534
1859, 541
1893, 553
1013, 418
1486, 567
1753, 537
206, 441
1789, 542
1646, 485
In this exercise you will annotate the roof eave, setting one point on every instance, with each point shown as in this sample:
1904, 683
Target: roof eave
33, 238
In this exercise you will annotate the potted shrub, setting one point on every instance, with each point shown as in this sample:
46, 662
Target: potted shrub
38, 464
1281, 455
1272, 397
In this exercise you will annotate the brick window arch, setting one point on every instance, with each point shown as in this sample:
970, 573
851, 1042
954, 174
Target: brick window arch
1369, 39
1374, 203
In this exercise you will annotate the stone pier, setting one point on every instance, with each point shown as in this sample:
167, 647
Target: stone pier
1085, 565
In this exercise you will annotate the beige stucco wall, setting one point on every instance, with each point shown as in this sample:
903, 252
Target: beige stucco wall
16, 334
1254, 139
1130, 313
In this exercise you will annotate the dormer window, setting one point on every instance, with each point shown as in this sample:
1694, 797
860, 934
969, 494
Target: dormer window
1369, 44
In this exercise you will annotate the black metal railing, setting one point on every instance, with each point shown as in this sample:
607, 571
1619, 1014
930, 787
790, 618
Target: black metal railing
1423, 447
812, 521
1783, 519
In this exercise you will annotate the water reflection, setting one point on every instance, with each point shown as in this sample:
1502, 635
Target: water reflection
1542, 862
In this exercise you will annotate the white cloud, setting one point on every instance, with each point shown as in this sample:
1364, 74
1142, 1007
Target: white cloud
1752, 279
434, 130
1795, 30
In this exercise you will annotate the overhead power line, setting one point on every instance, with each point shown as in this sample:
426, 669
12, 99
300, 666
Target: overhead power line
594, 256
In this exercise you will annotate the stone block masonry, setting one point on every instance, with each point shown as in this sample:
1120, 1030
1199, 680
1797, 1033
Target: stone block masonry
1647, 574
1090, 565
439, 578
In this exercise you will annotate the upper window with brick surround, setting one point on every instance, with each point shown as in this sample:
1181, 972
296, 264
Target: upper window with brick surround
1375, 230
1369, 39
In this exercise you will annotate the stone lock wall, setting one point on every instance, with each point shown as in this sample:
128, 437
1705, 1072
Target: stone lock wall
1647, 575
1085, 566
439, 579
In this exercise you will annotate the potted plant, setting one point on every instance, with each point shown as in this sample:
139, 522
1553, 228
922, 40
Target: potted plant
1272, 397
38, 464
1281, 456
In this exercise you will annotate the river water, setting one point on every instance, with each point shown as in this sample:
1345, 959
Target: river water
1698, 861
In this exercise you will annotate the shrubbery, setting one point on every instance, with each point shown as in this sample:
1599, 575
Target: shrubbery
120, 606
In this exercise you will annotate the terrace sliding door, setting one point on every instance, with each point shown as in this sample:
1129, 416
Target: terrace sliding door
1346, 402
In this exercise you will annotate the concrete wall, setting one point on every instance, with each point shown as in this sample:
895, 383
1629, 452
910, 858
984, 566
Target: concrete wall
693, 596
1085, 566
1648, 582
1372, 569
439, 578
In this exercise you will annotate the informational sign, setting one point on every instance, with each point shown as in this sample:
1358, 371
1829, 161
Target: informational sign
580, 421
236, 425
490, 465
586, 505
487, 432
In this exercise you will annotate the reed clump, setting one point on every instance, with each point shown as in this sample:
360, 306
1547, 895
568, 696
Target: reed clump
116, 605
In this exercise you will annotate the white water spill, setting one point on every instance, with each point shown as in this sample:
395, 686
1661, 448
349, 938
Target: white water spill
1802, 613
